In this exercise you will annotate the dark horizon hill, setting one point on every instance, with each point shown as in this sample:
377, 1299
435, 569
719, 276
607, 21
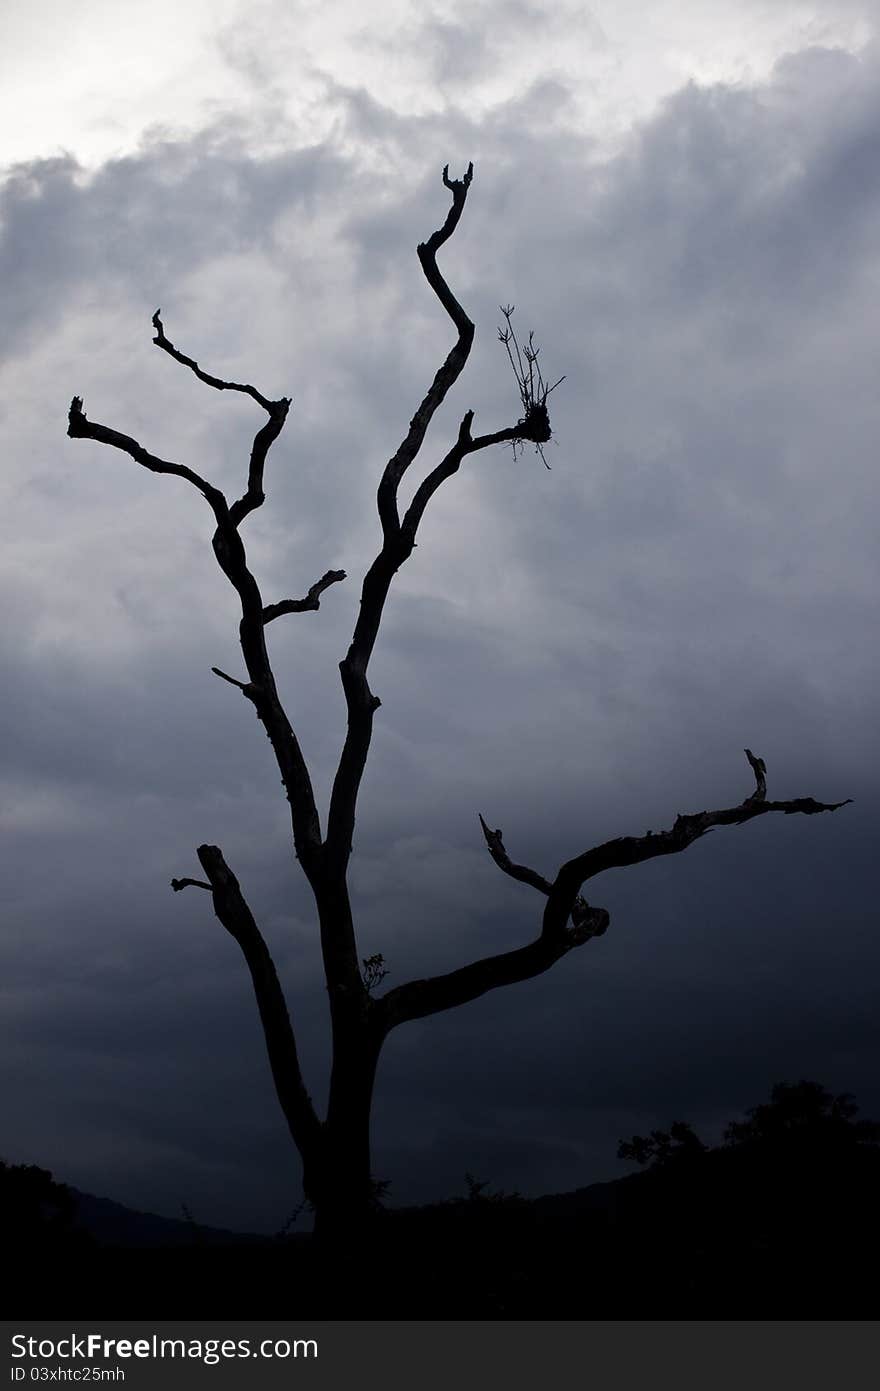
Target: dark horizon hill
780, 1220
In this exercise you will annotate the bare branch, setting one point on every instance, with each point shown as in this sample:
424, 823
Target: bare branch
361, 705
360, 702
235, 915
399, 539
311, 601
245, 686
78, 427
631, 850
449, 465
426, 251
447, 374
178, 884
254, 496
276, 410
420, 998
262, 692
587, 921
232, 559
759, 768
167, 346
504, 862
360, 699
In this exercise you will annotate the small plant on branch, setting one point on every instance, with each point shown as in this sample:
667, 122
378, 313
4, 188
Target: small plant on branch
533, 390
374, 971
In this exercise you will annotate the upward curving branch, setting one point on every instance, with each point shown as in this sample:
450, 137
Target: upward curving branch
311, 601
419, 998
522, 873
361, 704
399, 538
587, 921
451, 368
449, 465
235, 915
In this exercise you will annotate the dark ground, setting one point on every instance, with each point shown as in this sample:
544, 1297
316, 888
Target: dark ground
782, 1221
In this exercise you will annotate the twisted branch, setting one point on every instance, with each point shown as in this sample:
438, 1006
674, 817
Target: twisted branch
632, 850
586, 920
419, 998
452, 367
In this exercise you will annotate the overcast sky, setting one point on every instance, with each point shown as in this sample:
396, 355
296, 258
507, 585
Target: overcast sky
683, 202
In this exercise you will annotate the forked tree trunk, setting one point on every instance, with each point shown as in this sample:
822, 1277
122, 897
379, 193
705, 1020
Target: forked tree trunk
339, 1181
344, 1190
338, 1177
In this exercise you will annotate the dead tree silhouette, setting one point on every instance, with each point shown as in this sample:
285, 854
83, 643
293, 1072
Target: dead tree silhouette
335, 1148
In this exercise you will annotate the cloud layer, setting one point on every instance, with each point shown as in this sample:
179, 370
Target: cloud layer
578, 653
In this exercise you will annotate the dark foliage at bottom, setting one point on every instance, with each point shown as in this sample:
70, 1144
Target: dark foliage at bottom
781, 1221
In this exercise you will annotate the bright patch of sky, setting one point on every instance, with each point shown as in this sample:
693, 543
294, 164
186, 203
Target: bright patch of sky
93, 78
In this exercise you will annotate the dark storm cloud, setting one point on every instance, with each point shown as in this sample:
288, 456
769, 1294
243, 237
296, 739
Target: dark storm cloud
577, 654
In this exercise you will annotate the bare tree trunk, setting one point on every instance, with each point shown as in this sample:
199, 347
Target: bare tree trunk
344, 1192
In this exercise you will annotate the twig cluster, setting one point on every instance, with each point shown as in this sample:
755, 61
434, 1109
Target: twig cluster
533, 390
374, 971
